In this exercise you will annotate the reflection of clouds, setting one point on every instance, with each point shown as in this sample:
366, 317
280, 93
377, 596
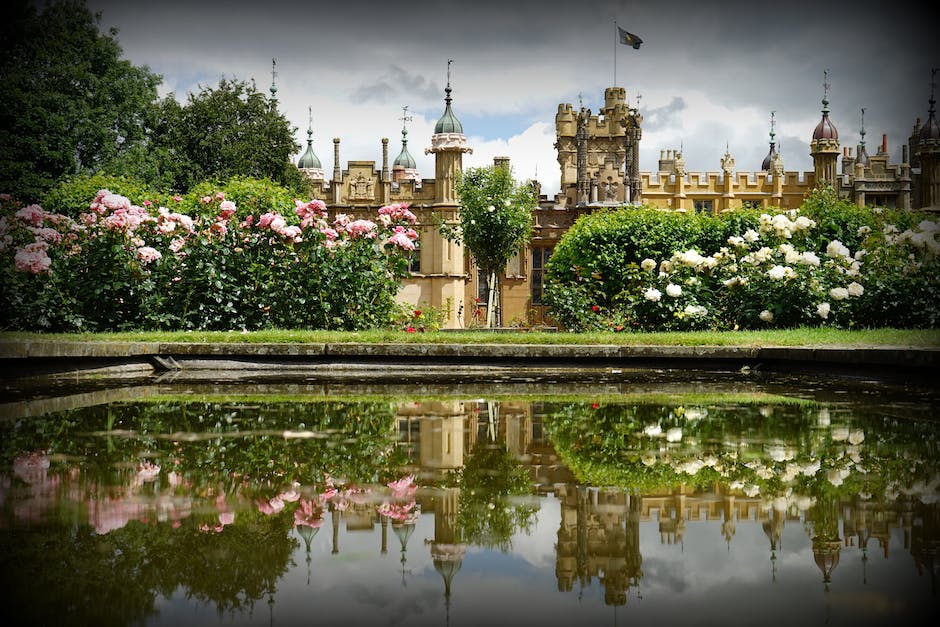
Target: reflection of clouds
538, 546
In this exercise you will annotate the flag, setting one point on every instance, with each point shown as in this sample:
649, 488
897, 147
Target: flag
629, 38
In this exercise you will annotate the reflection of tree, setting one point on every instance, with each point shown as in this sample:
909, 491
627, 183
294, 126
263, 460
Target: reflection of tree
67, 575
488, 514
212, 444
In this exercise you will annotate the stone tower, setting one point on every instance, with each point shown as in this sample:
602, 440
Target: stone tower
825, 145
927, 152
599, 154
445, 258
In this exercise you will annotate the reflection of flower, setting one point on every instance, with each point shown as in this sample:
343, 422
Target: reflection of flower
308, 514
404, 487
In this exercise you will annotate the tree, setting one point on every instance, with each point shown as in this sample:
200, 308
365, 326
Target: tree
231, 130
495, 222
69, 104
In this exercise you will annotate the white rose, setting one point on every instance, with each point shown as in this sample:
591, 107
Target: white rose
839, 293
766, 316
822, 310
855, 289
648, 264
673, 290
652, 294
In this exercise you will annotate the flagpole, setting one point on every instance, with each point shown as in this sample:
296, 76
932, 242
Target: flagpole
616, 37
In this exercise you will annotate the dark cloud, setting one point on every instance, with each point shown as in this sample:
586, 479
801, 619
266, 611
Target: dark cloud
398, 82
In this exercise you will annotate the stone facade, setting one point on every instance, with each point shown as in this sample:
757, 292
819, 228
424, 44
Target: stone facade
598, 157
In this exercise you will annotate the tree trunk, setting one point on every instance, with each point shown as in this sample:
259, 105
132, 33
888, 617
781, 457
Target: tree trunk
492, 303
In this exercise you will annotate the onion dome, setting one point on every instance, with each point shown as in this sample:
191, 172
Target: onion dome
404, 158
768, 160
448, 122
309, 163
930, 130
825, 129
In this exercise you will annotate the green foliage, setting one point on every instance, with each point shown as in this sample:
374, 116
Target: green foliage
598, 259
492, 489
801, 450
227, 131
495, 215
71, 195
125, 267
68, 103
253, 196
653, 270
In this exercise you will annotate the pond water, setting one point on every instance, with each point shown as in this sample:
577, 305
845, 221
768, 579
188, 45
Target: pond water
676, 502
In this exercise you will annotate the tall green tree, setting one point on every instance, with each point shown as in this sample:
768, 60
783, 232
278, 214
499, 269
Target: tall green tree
495, 222
229, 130
69, 104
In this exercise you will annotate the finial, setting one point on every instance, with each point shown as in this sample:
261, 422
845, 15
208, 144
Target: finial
447, 89
404, 118
638, 96
580, 100
862, 131
933, 85
772, 123
309, 124
273, 77
825, 99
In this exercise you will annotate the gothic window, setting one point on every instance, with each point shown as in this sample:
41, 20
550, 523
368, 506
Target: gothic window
540, 257
703, 206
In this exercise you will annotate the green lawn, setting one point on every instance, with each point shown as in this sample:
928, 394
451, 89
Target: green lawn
785, 337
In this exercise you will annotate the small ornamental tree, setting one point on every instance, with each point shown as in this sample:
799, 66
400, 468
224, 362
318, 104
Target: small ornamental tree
495, 221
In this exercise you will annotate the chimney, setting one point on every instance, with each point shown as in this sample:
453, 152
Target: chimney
501, 162
385, 159
337, 170
884, 143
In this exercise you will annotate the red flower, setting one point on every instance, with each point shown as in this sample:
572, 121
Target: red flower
594, 405
417, 313
411, 330
595, 308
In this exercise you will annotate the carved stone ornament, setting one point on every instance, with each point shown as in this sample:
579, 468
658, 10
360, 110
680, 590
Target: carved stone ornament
361, 188
448, 141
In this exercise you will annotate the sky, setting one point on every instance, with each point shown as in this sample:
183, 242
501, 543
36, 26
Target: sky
707, 77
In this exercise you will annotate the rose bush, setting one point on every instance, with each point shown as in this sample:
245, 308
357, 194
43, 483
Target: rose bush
121, 266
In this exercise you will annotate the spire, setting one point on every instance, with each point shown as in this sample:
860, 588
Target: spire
768, 160
825, 129
404, 158
273, 83
309, 160
448, 122
931, 130
862, 156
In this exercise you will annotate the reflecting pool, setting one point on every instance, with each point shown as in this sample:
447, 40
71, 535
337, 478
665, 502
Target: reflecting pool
626, 503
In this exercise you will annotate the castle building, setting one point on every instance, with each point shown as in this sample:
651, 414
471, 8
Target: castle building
598, 157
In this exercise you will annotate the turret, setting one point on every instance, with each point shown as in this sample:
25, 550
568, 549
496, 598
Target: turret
825, 145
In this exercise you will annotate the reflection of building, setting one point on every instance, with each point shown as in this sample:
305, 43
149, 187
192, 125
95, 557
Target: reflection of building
599, 537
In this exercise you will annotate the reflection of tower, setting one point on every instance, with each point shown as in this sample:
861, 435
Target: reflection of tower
403, 530
826, 542
599, 537
672, 526
447, 552
925, 542
307, 532
773, 529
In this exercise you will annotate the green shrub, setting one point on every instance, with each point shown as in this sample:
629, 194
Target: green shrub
72, 196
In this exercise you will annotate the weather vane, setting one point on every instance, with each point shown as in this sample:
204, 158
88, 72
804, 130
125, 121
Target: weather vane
404, 117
